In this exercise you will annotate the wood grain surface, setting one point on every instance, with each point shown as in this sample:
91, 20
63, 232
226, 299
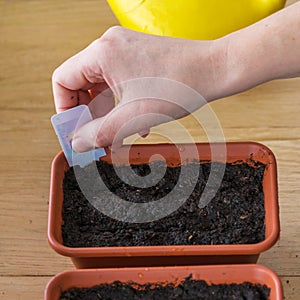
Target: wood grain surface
36, 36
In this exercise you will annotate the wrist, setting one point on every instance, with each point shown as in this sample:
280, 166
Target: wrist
264, 51
245, 61
220, 71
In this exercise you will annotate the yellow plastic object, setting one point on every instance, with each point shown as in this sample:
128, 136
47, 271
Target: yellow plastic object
194, 19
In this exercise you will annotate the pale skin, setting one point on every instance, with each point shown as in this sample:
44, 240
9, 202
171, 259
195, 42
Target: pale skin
264, 51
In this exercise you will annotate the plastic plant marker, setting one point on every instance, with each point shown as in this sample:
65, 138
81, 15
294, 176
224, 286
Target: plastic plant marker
65, 124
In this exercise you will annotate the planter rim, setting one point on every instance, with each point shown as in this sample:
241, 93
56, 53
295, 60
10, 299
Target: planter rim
245, 270
178, 250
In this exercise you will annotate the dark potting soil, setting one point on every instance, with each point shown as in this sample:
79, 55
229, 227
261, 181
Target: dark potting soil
187, 290
235, 215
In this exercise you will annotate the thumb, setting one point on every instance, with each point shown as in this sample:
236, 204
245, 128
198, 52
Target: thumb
121, 122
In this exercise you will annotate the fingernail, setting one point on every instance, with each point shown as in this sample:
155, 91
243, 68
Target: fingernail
80, 145
144, 133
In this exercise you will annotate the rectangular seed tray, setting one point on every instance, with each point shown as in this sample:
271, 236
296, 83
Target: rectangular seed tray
94, 257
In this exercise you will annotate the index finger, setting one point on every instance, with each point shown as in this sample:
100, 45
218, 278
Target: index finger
72, 80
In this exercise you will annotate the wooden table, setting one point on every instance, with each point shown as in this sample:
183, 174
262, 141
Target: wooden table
36, 36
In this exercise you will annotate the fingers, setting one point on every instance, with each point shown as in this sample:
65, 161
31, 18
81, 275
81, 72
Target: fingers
75, 77
103, 103
108, 130
64, 98
99, 88
121, 122
144, 133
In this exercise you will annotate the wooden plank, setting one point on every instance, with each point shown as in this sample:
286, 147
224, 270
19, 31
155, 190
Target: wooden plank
291, 287
20, 288
42, 34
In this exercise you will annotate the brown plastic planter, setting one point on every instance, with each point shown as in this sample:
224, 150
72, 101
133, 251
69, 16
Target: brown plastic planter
221, 274
170, 255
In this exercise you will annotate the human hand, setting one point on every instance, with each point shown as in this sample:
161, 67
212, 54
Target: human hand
121, 57
214, 69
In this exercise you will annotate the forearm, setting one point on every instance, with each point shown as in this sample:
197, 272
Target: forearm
267, 50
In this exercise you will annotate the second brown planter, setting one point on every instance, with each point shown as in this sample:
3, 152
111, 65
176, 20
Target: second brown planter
92, 257
221, 274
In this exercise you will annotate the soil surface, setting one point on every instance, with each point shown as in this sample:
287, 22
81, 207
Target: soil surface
234, 216
189, 290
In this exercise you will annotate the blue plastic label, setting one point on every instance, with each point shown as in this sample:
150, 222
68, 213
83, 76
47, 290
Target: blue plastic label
65, 124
